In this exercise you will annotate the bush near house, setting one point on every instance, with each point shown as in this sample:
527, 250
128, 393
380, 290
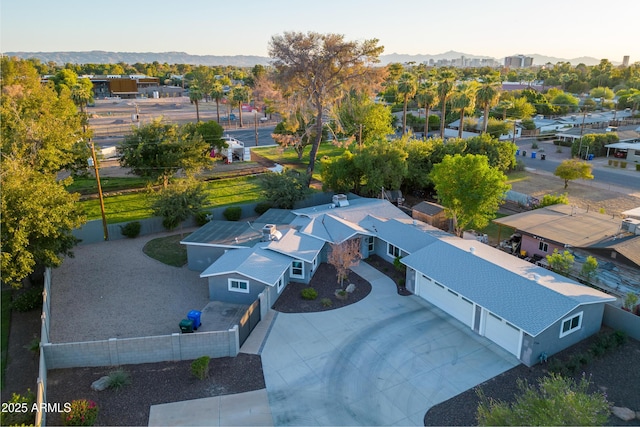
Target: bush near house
233, 213
309, 293
131, 229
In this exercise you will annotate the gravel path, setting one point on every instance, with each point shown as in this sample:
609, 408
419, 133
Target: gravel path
113, 290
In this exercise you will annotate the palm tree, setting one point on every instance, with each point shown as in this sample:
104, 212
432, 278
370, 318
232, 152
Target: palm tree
427, 96
217, 93
407, 86
239, 94
446, 80
487, 96
464, 98
195, 95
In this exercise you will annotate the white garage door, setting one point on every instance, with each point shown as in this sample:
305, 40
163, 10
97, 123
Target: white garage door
446, 300
503, 334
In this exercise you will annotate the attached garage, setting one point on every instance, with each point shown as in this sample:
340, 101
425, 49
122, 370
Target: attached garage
445, 299
502, 333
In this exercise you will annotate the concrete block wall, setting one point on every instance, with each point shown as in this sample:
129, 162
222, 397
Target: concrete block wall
129, 351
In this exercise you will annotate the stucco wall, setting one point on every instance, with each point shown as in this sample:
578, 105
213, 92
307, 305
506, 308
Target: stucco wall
549, 340
219, 290
531, 245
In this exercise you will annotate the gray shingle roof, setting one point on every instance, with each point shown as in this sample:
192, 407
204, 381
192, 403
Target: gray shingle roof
406, 236
502, 283
256, 263
297, 245
332, 229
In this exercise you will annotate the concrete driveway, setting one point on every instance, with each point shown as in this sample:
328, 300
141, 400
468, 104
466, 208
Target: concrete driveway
382, 361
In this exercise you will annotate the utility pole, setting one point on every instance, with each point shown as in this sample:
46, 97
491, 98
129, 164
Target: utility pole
584, 115
255, 124
95, 168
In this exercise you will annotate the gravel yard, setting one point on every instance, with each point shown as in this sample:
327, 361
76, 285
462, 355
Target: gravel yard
113, 290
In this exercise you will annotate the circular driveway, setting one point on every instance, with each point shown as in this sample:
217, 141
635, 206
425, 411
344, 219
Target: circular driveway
384, 360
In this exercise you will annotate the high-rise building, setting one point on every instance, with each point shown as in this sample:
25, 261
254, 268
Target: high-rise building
518, 61
625, 61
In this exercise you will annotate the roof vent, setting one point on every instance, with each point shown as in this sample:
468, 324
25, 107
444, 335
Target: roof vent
472, 250
340, 200
536, 277
270, 232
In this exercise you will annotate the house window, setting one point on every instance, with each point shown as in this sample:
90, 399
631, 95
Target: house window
571, 324
393, 250
543, 247
370, 244
236, 285
280, 284
297, 269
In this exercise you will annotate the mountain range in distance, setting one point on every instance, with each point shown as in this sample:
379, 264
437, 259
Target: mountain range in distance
103, 57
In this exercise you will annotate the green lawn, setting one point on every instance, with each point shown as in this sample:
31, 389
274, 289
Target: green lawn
168, 250
517, 176
137, 206
90, 186
289, 157
5, 322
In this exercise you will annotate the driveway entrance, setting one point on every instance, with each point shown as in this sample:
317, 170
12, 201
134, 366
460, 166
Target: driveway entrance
384, 360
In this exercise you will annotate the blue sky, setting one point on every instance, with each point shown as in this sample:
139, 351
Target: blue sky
497, 28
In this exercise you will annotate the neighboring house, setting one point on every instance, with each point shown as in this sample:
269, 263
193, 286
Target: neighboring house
525, 309
562, 226
431, 213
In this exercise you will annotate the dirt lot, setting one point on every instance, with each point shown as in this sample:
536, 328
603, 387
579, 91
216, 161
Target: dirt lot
582, 194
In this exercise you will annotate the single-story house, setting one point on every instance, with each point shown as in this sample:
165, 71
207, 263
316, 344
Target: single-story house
525, 309
562, 226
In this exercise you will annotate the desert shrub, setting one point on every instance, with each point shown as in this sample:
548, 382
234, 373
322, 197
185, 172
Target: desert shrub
30, 299
262, 207
534, 146
623, 165
200, 367
609, 162
119, 379
131, 229
233, 213
326, 302
398, 265
83, 412
202, 217
519, 167
309, 293
401, 282
638, 167
615, 163
23, 416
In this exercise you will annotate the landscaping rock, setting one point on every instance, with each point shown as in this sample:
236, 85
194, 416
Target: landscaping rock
351, 288
625, 414
100, 384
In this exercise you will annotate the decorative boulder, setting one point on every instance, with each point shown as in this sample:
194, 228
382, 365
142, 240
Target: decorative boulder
350, 288
100, 384
625, 414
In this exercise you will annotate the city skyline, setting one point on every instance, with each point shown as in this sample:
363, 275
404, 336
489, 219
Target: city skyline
493, 28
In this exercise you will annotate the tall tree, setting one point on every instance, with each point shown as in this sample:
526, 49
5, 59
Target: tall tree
446, 81
319, 68
217, 94
38, 216
464, 99
159, 150
361, 118
284, 189
470, 189
487, 97
381, 165
573, 169
407, 86
177, 203
427, 96
195, 95
239, 95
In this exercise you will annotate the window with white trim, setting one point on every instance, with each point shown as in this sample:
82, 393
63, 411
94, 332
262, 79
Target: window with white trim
543, 247
570, 324
370, 244
280, 284
236, 285
297, 269
393, 250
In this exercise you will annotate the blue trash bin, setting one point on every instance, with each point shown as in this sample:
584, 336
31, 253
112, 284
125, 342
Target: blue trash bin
590, 156
194, 316
517, 152
533, 154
